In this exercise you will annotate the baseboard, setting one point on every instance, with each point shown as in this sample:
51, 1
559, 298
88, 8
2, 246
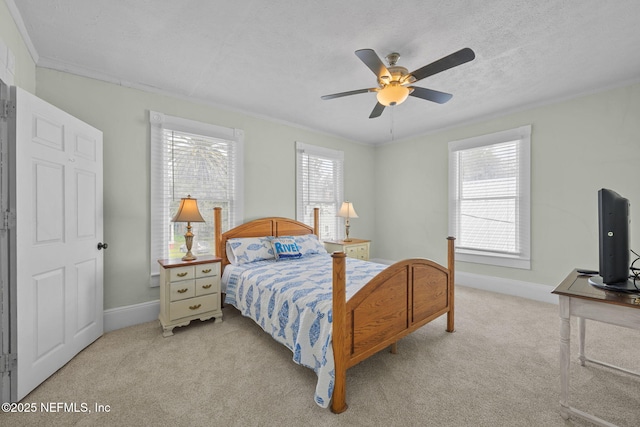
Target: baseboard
518, 288
130, 315
121, 317
382, 261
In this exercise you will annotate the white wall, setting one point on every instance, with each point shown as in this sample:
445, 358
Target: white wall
25, 68
269, 181
578, 146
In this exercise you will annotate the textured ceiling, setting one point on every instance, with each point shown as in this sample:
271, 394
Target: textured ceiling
274, 59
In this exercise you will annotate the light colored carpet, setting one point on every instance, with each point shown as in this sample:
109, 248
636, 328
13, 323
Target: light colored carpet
500, 368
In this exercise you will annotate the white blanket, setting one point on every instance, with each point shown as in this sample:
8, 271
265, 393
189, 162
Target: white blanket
292, 301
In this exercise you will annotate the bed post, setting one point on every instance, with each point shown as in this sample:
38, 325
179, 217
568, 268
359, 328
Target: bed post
339, 404
217, 220
451, 283
316, 222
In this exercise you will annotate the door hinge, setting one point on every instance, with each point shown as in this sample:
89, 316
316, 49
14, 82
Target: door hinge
7, 109
8, 221
8, 362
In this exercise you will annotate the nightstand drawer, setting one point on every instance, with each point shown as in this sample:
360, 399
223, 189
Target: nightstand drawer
358, 251
182, 290
194, 306
207, 285
206, 270
182, 273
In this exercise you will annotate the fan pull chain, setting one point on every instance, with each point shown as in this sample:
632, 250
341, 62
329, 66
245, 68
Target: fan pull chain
393, 109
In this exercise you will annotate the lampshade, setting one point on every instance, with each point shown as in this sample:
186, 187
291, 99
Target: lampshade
347, 210
393, 94
188, 211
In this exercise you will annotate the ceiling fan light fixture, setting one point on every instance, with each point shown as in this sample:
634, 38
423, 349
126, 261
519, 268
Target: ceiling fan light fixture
393, 94
395, 83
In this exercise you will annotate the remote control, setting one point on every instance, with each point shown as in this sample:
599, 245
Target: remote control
587, 272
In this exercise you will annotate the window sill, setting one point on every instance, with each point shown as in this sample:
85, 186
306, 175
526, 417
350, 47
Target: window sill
499, 260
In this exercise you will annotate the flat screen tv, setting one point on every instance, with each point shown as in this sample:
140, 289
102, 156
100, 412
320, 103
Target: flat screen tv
613, 235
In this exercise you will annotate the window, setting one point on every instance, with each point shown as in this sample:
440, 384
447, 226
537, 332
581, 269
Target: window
489, 191
197, 159
319, 183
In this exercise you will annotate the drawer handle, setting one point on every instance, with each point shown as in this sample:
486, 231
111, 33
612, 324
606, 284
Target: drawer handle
195, 307
206, 286
182, 291
182, 274
208, 270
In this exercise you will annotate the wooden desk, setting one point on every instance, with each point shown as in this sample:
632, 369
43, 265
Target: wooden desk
579, 298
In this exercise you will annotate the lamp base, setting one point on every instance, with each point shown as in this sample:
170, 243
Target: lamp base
346, 231
188, 240
189, 257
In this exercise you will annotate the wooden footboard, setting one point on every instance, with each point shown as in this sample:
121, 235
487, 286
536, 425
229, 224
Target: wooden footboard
396, 302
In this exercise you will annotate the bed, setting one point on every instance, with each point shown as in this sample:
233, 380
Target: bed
331, 311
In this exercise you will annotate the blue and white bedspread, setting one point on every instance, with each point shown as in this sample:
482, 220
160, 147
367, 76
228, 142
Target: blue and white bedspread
292, 301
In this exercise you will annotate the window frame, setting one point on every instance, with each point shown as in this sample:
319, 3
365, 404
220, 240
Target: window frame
522, 259
304, 208
159, 122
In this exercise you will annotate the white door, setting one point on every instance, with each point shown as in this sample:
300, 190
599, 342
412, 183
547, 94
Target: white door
58, 227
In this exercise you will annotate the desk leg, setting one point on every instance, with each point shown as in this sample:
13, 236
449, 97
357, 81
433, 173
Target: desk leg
565, 350
582, 324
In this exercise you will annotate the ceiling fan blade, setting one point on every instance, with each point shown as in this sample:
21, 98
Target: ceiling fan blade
351, 92
450, 61
377, 110
371, 60
430, 94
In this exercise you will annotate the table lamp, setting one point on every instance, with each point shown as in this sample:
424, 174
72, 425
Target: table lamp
347, 211
188, 212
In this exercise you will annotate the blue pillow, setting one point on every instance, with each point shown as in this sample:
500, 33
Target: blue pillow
249, 249
308, 244
285, 248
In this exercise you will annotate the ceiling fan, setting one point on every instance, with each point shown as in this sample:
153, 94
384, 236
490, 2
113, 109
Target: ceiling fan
394, 82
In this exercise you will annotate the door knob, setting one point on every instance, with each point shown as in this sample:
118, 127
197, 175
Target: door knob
102, 246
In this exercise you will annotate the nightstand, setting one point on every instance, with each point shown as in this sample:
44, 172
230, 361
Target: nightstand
354, 248
189, 290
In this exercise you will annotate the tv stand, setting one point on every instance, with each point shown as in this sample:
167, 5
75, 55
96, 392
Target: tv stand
579, 298
630, 286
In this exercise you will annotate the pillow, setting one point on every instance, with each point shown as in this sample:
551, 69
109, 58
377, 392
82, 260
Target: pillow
285, 248
249, 249
308, 244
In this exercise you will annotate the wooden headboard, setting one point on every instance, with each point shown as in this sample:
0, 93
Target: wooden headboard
270, 226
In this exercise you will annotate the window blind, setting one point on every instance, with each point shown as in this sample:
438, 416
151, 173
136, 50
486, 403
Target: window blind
319, 183
196, 159
489, 198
